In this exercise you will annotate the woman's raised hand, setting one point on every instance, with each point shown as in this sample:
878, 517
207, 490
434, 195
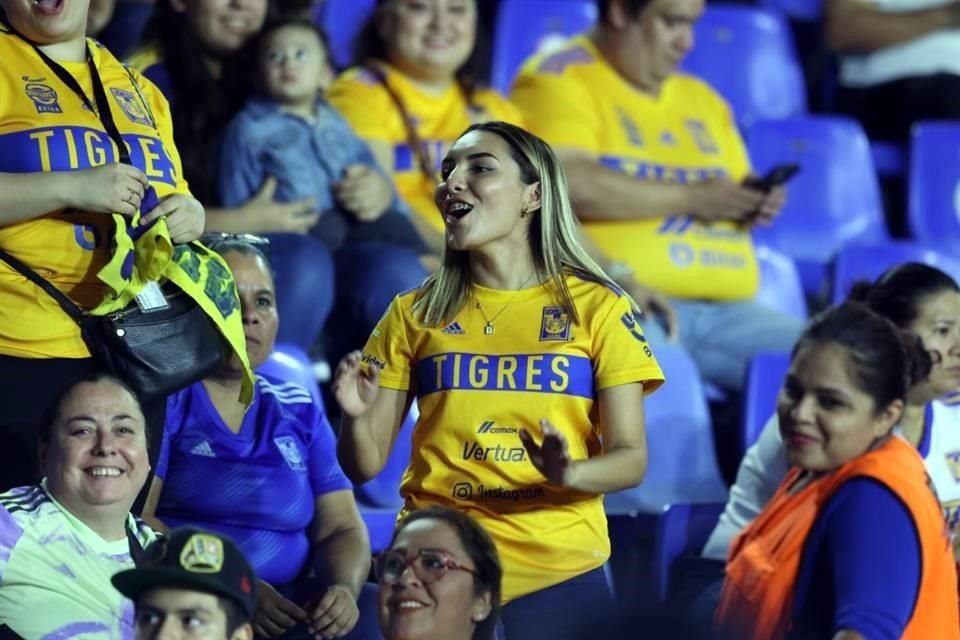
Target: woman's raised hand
109, 188
355, 386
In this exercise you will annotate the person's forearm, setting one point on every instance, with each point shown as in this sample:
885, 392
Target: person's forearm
357, 449
344, 558
615, 470
25, 196
235, 220
854, 27
601, 193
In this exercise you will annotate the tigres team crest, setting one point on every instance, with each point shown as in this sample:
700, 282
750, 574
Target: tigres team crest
131, 106
953, 463
555, 324
203, 553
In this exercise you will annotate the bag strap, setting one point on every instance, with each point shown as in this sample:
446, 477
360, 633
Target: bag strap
413, 138
65, 303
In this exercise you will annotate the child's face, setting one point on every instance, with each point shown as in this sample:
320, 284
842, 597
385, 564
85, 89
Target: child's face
294, 68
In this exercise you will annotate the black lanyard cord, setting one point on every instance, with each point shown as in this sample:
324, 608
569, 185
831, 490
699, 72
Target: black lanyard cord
102, 109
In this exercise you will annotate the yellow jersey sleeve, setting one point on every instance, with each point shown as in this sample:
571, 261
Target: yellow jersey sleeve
388, 347
621, 352
555, 108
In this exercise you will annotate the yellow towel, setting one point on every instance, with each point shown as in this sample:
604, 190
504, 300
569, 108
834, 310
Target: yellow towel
143, 255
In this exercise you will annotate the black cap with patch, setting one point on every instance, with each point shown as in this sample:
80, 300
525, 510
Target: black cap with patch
195, 560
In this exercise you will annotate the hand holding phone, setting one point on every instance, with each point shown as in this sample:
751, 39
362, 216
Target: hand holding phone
777, 176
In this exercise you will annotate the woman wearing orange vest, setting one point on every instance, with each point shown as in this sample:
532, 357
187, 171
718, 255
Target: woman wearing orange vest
853, 544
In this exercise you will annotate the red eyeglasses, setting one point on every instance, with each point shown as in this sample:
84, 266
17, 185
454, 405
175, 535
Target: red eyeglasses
428, 566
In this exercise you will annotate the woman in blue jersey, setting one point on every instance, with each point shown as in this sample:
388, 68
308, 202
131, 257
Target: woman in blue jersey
529, 369
61, 179
924, 301
267, 476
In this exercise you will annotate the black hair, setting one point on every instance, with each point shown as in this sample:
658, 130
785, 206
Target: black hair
884, 361
55, 408
293, 20
899, 293
236, 618
633, 8
488, 574
369, 47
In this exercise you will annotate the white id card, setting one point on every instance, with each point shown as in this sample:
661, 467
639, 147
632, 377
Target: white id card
151, 298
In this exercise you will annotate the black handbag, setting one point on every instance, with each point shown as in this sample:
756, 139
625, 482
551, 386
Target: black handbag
155, 352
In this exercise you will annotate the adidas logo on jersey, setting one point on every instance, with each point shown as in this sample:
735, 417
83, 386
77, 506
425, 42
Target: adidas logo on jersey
454, 329
203, 449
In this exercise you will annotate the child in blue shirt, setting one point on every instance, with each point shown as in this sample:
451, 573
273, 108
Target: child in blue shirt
290, 133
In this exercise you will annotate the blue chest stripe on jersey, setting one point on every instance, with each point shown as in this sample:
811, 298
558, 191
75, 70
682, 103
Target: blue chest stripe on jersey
661, 172
71, 148
539, 373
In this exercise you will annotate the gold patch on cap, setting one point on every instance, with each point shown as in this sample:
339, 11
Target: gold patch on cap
203, 553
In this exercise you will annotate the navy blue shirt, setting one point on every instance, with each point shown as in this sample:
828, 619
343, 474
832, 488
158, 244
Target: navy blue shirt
861, 566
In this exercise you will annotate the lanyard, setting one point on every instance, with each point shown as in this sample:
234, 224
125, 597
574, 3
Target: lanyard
102, 109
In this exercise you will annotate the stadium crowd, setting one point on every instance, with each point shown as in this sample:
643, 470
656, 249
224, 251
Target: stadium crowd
446, 319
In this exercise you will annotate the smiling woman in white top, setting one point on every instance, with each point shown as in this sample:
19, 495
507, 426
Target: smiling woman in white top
926, 302
62, 540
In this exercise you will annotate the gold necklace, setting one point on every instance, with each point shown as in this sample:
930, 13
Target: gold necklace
488, 327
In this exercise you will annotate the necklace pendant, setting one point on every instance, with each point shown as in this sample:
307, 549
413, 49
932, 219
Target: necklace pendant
488, 330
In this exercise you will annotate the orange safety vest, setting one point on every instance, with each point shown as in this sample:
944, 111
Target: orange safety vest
757, 598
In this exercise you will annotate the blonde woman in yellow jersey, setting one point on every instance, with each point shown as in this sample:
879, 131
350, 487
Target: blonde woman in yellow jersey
414, 90
59, 182
656, 168
529, 368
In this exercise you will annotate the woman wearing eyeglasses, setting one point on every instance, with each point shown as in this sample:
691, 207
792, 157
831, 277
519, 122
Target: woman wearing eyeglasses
440, 578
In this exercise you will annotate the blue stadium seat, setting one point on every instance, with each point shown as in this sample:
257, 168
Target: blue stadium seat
888, 158
834, 200
747, 54
525, 27
868, 262
290, 363
383, 491
780, 285
380, 525
342, 20
682, 528
764, 379
934, 209
682, 463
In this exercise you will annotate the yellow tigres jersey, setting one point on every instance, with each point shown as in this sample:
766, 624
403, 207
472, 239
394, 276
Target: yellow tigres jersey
475, 391
368, 107
573, 98
44, 126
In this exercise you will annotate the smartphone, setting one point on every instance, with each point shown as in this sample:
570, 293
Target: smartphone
774, 178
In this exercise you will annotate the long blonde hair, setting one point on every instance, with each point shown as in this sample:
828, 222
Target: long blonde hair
554, 237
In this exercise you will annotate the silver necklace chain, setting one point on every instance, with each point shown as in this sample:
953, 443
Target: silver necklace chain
488, 327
